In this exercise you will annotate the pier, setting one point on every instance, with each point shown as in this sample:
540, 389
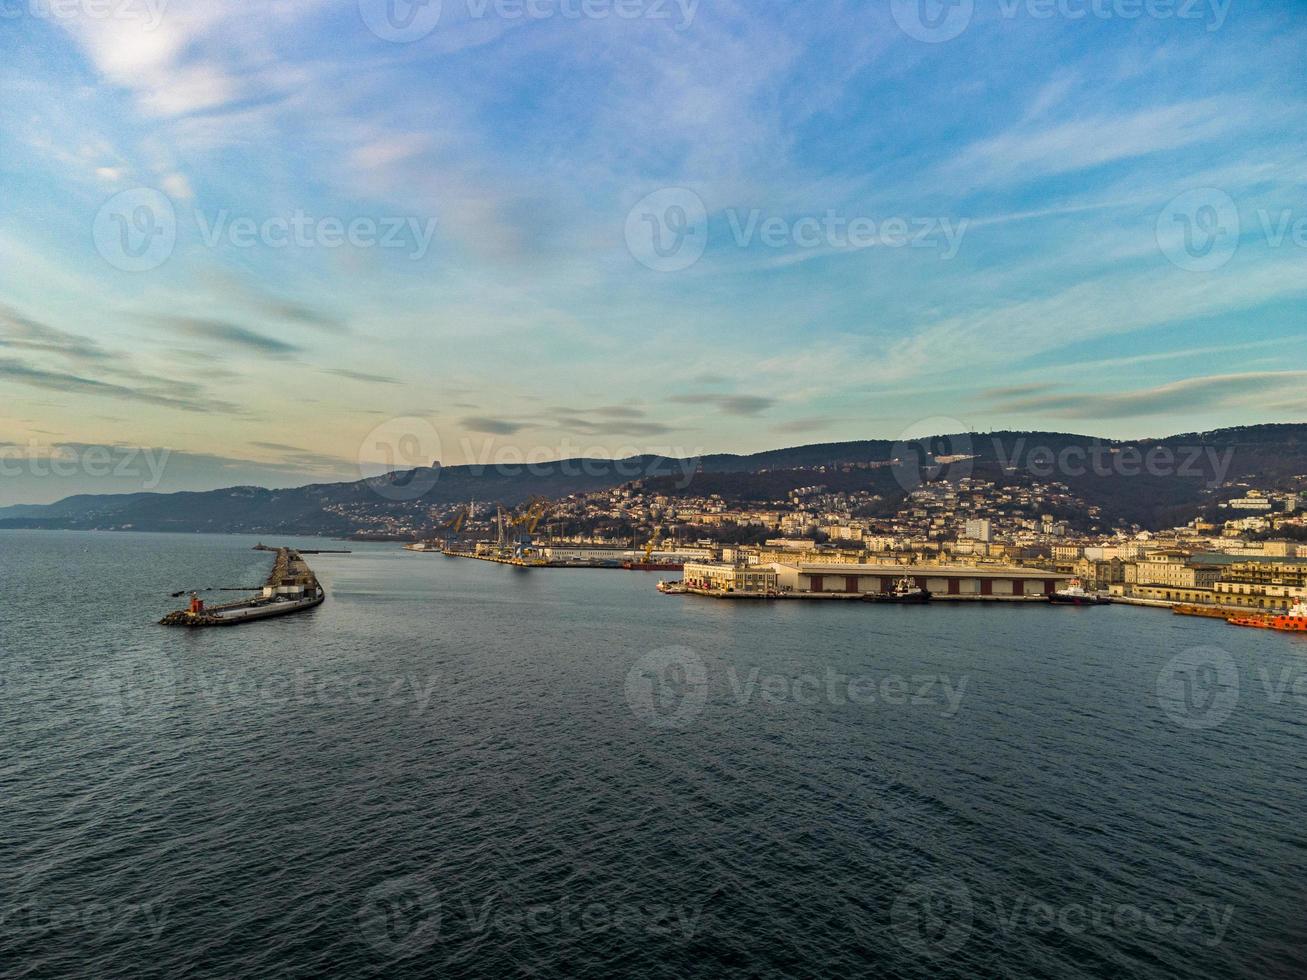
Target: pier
499, 559
291, 587
307, 551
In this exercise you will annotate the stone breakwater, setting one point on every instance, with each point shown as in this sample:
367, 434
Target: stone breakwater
291, 587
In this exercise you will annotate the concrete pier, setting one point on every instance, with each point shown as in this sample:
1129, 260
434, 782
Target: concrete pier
291, 587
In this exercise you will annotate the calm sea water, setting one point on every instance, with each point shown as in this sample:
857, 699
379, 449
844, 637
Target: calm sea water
454, 768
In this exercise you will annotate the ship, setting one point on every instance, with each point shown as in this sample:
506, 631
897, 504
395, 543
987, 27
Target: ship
1075, 595
905, 590
1293, 621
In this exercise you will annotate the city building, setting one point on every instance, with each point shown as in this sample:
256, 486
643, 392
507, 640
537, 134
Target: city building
726, 577
945, 581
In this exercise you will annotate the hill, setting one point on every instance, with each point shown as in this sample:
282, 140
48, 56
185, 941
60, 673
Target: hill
1150, 482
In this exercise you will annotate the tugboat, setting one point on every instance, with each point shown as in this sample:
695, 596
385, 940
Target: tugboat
1075, 595
905, 590
1294, 621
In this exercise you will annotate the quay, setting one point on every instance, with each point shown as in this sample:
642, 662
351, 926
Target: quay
846, 581
291, 587
497, 559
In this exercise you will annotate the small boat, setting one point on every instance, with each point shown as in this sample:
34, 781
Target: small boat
1293, 621
905, 590
672, 588
1075, 595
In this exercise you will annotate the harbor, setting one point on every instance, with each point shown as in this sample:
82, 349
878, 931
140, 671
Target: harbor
291, 587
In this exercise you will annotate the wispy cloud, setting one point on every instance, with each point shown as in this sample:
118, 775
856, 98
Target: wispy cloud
299, 458
1033, 152
1206, 393
220, 334
745, 406
19, 332
492, 426
17, 371
363, 376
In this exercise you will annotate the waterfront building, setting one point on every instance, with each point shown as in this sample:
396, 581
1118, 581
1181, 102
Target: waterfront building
1100, 576
729, 577
945, 581
1262, 584
1172, 568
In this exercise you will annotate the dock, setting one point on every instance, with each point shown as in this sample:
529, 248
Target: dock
498, 559
853, 596
291, 587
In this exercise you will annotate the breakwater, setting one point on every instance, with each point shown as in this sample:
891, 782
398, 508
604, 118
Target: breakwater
291, 587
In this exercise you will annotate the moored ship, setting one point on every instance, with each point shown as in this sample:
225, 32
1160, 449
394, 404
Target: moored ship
905, 590
1075, 595
1293, 621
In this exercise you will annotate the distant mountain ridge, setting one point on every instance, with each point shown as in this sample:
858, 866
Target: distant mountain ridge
1153, 482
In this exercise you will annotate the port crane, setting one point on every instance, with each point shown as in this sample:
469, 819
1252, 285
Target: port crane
457, 521
516, 528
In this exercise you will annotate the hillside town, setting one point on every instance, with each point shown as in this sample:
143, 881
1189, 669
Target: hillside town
1245, 555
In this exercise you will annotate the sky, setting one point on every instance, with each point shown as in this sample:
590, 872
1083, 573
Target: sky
295, 241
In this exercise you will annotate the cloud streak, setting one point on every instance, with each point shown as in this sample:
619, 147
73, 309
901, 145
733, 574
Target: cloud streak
17, 371
221, 334
1189, 395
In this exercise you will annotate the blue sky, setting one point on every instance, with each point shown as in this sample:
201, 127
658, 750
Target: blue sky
1073, 215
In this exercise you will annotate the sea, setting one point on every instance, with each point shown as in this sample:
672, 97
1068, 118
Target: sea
455, 768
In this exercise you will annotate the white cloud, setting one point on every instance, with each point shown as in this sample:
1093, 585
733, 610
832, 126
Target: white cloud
1026, 153
177, 187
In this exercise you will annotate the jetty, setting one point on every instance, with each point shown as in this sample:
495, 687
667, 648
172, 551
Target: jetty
307, 551
291, 587
498, 558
